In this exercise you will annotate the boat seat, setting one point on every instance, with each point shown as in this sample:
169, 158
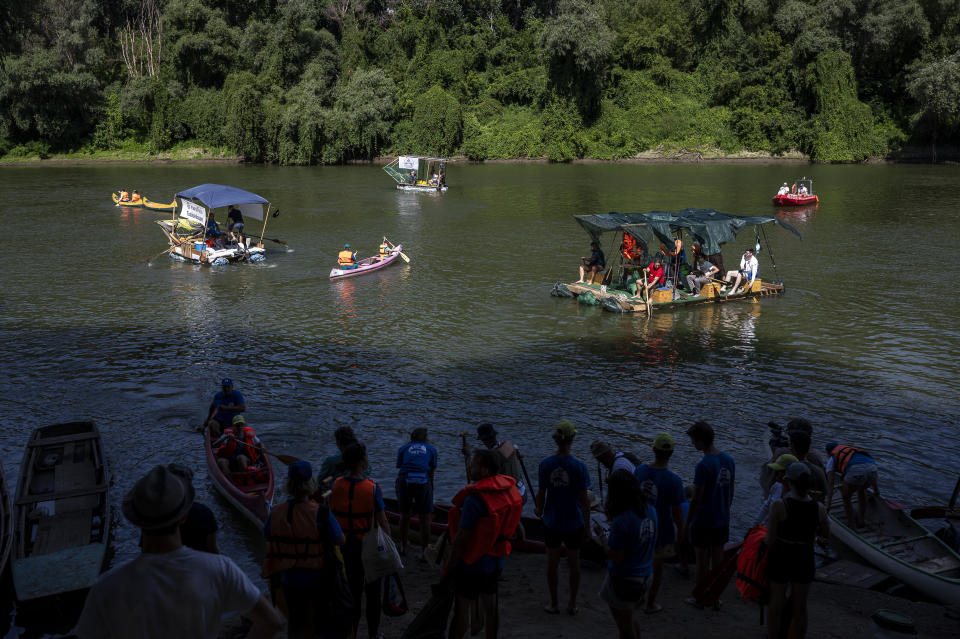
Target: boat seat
939, 564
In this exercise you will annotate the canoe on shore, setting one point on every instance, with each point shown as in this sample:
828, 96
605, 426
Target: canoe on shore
897, 544
6, 522
251, 493
368, 265
62, 516
532, 528
144, 203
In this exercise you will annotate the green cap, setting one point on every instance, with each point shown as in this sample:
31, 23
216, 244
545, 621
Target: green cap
566, 429
663, 441
782, 462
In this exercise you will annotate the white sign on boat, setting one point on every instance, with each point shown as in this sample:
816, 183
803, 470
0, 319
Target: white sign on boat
193, 212
408, 162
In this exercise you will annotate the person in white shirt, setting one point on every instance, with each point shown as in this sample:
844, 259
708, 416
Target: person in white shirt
802, 190
783, 189
777, 489
170, 590
612, 460
748, 269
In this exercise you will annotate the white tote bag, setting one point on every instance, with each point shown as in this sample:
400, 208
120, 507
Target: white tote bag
379, 555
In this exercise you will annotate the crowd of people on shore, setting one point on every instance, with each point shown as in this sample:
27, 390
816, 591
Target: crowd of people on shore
315, 558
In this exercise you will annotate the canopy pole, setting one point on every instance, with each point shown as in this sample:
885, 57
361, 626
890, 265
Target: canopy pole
769, 250
266, 216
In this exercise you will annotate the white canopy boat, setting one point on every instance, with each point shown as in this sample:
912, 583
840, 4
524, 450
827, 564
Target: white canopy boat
419, 174
188, 232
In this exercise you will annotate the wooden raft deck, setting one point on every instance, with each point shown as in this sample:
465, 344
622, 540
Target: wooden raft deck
612, 298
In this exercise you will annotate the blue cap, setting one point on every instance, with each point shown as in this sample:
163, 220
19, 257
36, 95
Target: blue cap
226, 381
831, 446
300, 469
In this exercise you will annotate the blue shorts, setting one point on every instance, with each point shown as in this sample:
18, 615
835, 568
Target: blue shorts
415, 498
347, 267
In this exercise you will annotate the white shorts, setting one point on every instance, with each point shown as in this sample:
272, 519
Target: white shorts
860, 474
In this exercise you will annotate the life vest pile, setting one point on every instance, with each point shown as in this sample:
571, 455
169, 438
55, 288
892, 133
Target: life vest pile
504, 505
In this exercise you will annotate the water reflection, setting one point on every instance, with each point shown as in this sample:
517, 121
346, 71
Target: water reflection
797, 213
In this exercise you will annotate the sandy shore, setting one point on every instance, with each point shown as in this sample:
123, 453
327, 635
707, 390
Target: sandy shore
835, 611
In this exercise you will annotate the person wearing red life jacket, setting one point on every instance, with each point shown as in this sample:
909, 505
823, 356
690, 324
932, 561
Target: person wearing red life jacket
238, 448
857, 470
300, 536
484, 516
357, 503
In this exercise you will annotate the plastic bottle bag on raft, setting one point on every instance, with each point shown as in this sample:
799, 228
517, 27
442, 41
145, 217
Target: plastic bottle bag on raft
588, 298
220, 261
258, 257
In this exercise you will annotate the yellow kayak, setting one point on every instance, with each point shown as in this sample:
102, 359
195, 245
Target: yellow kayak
144, 203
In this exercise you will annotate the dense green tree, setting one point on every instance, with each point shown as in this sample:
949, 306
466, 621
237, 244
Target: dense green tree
936, 86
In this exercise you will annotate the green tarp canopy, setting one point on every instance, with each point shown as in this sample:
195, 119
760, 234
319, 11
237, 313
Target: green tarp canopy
708, 227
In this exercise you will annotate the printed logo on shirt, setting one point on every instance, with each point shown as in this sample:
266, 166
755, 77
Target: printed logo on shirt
559, 478
649, 491
648, 531
724, 478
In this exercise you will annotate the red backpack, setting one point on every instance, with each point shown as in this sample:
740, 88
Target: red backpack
752, 566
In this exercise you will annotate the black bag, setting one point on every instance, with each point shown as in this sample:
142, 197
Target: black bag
431, 622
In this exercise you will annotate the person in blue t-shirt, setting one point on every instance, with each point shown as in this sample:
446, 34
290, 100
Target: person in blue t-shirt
563, 505
226, 405
666, 488
630, 546
708, 520
417, 462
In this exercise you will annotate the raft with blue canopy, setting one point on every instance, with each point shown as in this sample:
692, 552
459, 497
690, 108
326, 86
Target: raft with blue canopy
705, 229
188, 232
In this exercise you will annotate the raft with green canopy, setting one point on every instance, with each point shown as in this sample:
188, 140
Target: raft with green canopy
706, 230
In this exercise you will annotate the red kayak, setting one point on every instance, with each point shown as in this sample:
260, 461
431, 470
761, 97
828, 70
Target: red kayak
250, 492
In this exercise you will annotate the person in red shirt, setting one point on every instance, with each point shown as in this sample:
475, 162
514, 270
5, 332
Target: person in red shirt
655, 275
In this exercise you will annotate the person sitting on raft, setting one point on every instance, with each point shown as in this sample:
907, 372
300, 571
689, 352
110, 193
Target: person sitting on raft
235, 224
748, 268
135, 197
783, 189
347, 258
214, 234
594, 264
124, 196
238, 448
802, 190
226, 404
655, 275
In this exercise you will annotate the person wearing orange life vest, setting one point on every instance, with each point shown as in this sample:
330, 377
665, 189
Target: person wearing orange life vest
347, 258
384, 249
629, 249
300, 534
357, 503
238, 447
135, 196
485, 514
123, 196
858, 470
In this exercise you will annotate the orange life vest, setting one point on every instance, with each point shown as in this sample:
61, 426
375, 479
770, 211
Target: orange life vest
752, 565
504, 506
843, 453
293, 539
229, 447
345, 257
124, 196
352, 503
384, 249
629, 246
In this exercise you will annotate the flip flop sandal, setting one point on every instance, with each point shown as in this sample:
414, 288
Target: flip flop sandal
652, 611
553, 610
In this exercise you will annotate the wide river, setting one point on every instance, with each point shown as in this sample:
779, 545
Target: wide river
863, 344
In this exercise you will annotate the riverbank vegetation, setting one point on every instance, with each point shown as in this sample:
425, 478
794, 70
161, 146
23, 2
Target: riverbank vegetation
332, 81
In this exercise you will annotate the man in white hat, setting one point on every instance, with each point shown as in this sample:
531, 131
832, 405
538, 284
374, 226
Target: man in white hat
783, 189
170, 590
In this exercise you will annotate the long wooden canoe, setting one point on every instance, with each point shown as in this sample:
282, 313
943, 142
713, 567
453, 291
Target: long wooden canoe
6, 522
532, 528
62, 515
897, 544
253, 500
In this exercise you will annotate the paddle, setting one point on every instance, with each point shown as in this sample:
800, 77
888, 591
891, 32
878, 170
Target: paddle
286, 459
526, 475
405, 258
150, 261
646, 291
466, 458
275, 240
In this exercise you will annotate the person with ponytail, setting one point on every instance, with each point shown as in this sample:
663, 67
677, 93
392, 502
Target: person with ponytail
792, 527
629, 547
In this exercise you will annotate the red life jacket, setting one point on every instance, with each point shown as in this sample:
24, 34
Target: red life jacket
293, 539
230, 446
352, 503
504, 505
752, 565
629, 246
842, 454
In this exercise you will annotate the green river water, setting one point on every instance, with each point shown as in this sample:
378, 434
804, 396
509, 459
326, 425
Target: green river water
862, 344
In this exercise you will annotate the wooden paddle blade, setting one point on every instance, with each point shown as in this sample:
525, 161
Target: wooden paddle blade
405, 258
286, 459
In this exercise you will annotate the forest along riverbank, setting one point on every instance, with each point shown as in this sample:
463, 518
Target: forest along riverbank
835, 611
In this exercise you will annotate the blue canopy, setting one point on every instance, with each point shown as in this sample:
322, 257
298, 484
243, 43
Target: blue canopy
217, 195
